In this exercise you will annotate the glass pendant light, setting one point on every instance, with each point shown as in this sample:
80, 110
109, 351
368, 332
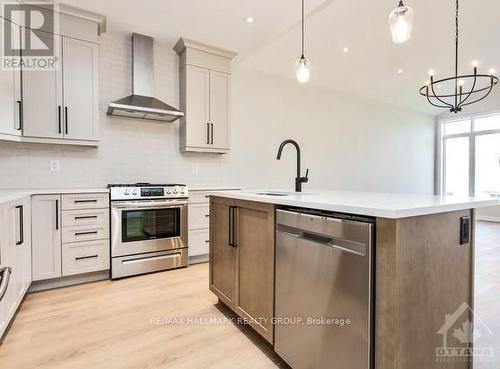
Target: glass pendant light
303, 66
401, 23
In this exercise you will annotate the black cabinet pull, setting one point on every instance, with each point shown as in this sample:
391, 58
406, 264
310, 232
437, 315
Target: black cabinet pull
20, 107
84, 201
212, 133
208, 133
66, 119
21, 225
57, 215
59, 119
85, 233
86, 217
232, 241
86, 257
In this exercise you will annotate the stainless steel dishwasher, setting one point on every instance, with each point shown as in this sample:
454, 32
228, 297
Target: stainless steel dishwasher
323, 279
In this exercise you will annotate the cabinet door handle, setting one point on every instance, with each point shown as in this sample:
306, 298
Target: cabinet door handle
86, 257
20, 107
57, 215
208, 133
232, 241
21, 225
85, 233
4, 282
59, 119
66, 119
84, 201
86, 217
212, 133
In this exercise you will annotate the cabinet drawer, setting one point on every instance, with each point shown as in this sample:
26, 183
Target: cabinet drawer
90, 217
85, 257
198, 197
198, 216
84, 233
85, 201
198, 242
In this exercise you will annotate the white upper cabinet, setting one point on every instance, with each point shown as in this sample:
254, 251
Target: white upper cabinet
80, 89
64, 103
196, 106
219, 109
42, 105
205, 74
10, 91
59, 106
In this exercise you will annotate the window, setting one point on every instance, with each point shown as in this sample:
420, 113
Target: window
470, 163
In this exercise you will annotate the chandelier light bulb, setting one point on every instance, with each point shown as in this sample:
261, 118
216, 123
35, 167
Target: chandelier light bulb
431, 73
461, 83
475, 64
303, 70
492, 71
401, 23
427, 83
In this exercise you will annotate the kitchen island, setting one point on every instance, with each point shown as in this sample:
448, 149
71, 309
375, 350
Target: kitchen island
421, 271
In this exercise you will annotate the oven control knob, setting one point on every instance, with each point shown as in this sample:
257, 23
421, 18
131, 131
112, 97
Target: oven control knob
134, 192
126, 193
168, 192
175, 191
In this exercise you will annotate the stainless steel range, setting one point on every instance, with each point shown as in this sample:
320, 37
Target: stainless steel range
148, 228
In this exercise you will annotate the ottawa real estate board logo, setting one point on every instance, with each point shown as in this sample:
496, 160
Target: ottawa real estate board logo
29, 36
465, 338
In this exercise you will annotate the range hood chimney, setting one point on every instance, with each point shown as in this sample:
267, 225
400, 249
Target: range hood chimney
141, 104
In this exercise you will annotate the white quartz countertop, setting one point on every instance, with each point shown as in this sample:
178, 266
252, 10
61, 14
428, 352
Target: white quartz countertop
383, 205
11, 195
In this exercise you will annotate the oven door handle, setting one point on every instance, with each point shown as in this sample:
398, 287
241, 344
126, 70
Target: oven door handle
151, 205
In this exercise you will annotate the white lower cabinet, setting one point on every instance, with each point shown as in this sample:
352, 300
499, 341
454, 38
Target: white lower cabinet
84, 257
46, 231
71, 234
199, 242
15, 257
199, 223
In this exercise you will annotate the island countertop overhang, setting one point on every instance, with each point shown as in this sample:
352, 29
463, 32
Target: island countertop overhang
380, 205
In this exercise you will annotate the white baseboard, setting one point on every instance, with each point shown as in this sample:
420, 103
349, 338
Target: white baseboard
68, 281
488, 218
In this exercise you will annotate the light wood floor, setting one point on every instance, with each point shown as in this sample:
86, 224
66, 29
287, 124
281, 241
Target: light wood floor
487, 289
108, 324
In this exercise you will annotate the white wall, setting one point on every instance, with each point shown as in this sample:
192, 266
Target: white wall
347, 142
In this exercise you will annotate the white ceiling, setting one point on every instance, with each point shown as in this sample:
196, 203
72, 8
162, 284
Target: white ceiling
272, 43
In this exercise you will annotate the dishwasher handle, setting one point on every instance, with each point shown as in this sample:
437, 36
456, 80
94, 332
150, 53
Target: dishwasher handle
349, 246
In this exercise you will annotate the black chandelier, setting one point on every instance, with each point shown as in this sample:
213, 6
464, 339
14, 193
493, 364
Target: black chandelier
456, 92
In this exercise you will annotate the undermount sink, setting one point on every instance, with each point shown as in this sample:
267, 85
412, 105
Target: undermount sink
276, 193
272, 194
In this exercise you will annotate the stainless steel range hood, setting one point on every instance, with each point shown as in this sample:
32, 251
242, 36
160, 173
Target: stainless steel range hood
141, 104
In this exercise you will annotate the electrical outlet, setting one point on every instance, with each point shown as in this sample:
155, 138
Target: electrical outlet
55, 166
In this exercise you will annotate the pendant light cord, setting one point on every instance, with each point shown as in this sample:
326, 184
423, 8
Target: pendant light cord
456, 55
302, 57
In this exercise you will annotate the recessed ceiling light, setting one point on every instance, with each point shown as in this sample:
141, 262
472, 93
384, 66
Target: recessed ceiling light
400, 71
345, 49
249, 20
